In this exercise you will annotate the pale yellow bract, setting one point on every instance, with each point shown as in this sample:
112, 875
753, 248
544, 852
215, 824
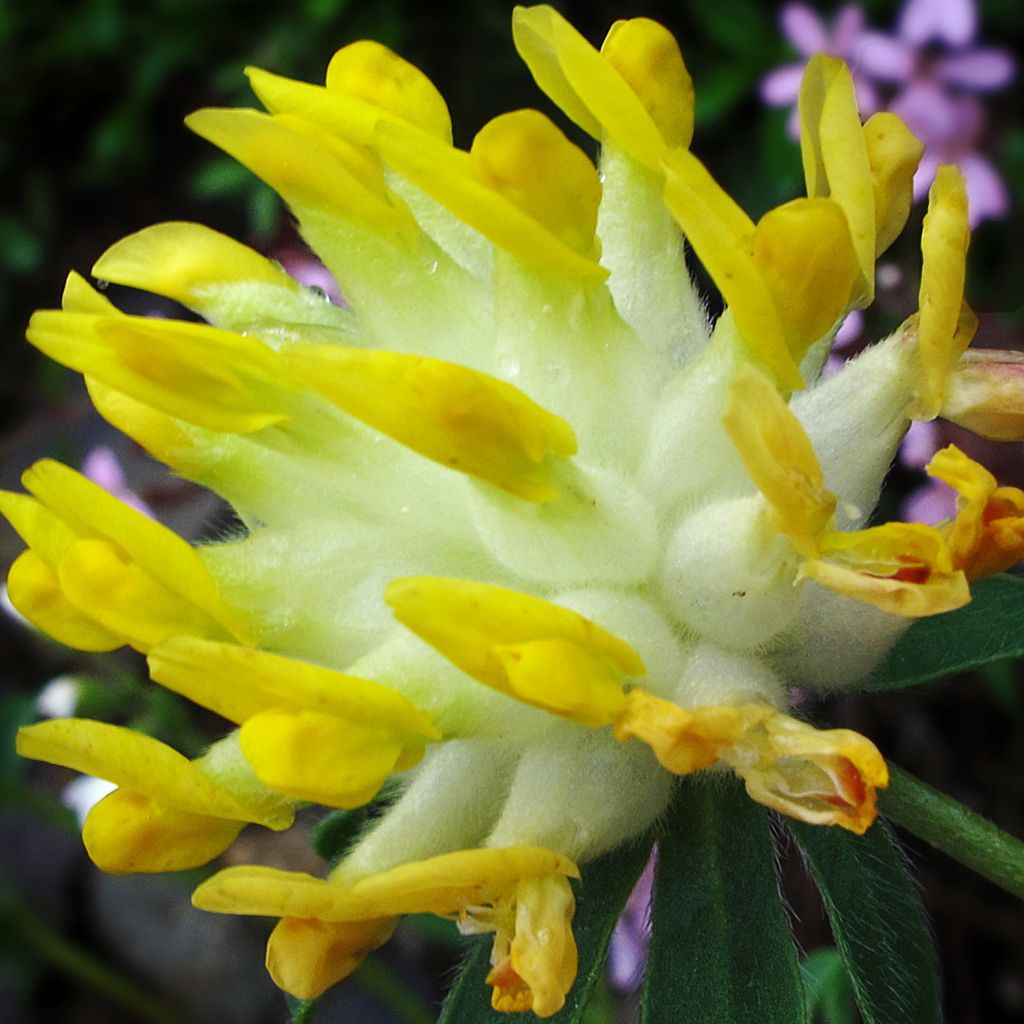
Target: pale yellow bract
524, 532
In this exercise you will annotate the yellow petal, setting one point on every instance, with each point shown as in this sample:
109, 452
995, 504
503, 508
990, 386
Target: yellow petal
319, 757
213, 378
647, 56
350, 119
636, 92
523, 185
366, 83
542, 960
985, 394
466, 621
165, 437
93, 513
563, 678
944, 329
100, 580
35, 591
722, 235
458, 417
133, 761
893, 155
683, 740
835, 158
239, 682
128, 832
780, 459
987, 535
902, 568
310, 169
806, 258
42, 530
440, 885
372, 73
185, 261
823, 777
80, 297
307, 957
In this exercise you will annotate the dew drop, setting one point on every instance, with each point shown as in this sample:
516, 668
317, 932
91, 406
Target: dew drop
319, 293
432, 269
102, 285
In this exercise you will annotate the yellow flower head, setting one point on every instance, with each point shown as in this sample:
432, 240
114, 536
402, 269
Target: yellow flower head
523, 531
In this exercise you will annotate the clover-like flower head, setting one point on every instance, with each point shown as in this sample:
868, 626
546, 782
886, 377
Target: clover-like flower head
523, 527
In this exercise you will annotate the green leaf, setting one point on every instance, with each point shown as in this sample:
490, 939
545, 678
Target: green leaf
829, 992
602, 893
335, 833
877, 921
721, 951
988, 629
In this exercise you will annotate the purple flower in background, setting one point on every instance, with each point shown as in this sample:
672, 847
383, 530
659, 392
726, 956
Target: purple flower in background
627, 955
806, 32
935, 66
102, 467
933, 72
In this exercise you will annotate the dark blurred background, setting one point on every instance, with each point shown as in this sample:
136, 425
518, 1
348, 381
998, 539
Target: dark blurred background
92, 147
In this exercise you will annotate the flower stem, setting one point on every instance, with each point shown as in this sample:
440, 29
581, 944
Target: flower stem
954, 829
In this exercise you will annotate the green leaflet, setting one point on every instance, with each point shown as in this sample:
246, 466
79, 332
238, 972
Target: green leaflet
721, 951
829, 993
605, 886
335, 833
990, 628
877, 921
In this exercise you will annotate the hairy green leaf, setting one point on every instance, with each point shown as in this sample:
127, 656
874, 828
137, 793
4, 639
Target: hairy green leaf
602, 893
721, 951
830, 997
988, 629
877, 921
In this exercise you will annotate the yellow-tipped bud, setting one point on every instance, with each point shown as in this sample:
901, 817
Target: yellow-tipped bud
367, 71
212, 378
523, 185
518, 644
458, 417
835, 158
894, 152
945, 326
311, 169
635, 94
780, 459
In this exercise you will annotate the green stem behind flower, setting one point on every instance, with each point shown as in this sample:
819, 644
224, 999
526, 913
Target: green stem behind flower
956, 830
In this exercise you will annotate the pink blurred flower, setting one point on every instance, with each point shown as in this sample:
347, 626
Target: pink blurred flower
627, 955
101, 466
934, 92
806, 32
933, 72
